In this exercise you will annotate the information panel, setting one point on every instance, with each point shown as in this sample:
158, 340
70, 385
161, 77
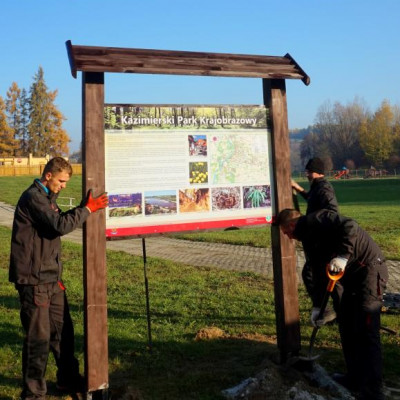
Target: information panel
176, 168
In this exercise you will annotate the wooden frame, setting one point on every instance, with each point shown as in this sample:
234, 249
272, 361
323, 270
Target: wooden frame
94, 62
94, 240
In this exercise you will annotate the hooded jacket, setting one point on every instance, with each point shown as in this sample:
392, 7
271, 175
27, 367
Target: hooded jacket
35, 242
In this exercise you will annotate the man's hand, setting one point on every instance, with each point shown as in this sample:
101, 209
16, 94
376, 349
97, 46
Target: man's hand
296, 186
337, 265
315, 322
327, 316
96, 203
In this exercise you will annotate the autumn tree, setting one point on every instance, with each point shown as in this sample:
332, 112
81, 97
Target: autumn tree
396, 132
46, 134
7, 142
377, 135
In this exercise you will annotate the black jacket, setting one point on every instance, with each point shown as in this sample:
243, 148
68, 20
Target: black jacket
320, 196
35, 242
325, 235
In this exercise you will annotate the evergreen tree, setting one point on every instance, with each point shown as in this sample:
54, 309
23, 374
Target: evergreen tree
46, 135
7, 142
24, 134
14, 113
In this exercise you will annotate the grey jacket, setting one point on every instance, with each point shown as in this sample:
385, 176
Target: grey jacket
35, 242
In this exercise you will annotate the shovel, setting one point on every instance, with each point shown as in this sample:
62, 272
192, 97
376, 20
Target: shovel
307, 362
333, 278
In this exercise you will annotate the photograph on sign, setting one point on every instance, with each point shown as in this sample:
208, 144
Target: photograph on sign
171, 168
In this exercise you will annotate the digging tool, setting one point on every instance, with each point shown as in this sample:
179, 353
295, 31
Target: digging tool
295, 200
306, 363
333, 278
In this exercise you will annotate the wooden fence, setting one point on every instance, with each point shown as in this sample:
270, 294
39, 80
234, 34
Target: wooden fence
355, 174
36, 170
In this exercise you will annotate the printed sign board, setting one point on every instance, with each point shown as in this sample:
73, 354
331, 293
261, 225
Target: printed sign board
176, 168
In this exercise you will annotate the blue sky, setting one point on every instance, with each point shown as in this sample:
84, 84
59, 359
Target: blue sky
349, 48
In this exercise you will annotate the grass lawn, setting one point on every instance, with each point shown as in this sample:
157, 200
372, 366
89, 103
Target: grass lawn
184, 300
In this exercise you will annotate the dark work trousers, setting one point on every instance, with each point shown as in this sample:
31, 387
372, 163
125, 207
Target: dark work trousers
359, 324
48, 326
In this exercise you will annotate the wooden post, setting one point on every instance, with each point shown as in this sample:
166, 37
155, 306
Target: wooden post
94, 239
283, 250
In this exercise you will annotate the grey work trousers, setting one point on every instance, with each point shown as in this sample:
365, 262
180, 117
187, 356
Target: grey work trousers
48, 327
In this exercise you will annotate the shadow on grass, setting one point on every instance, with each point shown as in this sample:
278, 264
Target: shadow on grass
10, 302
190, 370
197, 369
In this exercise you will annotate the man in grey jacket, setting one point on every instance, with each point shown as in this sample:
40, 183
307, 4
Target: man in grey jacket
36, 271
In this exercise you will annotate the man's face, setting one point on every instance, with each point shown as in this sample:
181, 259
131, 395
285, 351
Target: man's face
312, 175
288, 229
56, 182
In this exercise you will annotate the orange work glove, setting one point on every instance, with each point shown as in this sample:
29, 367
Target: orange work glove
96, 203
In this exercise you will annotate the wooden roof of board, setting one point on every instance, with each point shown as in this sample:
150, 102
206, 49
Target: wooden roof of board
147, 61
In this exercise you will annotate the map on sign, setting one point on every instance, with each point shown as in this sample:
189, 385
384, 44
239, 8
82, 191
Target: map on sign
236, 157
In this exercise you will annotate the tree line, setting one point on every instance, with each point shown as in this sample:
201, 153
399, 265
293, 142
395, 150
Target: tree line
343, 135
30, 122
351, 136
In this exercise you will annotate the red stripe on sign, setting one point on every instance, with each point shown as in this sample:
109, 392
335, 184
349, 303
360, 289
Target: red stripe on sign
192, 226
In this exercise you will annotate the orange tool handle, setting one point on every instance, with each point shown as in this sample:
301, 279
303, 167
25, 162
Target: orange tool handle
332, 279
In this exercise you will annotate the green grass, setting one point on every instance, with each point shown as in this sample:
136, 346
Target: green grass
11, 188
183, 300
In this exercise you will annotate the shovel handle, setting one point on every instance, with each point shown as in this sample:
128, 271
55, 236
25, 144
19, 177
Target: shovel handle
332, 278
295, 200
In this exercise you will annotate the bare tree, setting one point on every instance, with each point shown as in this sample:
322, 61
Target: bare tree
337, 128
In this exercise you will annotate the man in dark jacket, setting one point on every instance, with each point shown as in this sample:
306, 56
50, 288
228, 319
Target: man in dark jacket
36, 271
320, 196
337, 241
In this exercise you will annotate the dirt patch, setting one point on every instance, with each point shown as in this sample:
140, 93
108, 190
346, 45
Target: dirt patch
280, 382
210, 333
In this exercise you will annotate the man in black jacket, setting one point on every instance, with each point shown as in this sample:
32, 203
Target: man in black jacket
36, 271
320, 196
337, 241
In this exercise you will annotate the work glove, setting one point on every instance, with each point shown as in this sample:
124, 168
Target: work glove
96, 203
314, 315
337, 265
327, 316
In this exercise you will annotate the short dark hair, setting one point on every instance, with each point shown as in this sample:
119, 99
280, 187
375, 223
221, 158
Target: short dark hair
287, 215
57, 164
